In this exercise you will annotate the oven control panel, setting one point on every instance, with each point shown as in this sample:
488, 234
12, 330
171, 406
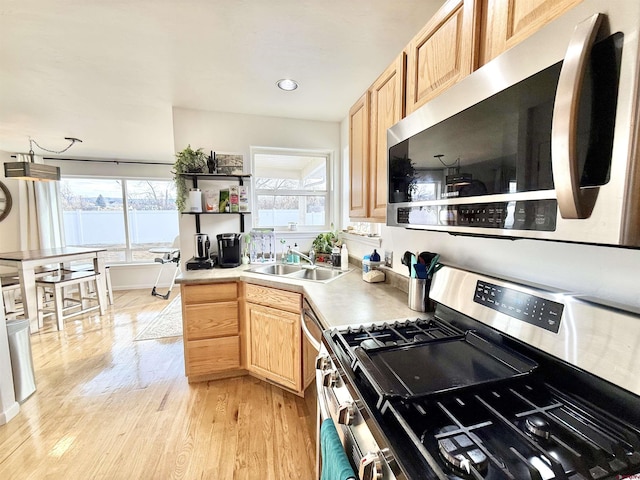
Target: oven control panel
534, 310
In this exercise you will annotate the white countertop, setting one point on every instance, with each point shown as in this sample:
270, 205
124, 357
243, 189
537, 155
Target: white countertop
346, 300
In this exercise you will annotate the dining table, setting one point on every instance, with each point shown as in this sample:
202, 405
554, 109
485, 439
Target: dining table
27, 261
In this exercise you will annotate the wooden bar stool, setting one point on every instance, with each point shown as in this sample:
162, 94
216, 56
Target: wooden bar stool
87, 267
10, 292
56, 284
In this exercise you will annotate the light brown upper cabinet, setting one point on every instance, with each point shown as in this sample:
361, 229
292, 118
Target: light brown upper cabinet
387, 109
359, 157
378, 109
443, 52
507, 22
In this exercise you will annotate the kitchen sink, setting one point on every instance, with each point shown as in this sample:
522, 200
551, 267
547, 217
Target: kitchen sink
317, 274
277, 269
300, 272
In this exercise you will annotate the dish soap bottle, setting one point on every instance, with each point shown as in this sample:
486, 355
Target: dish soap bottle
296, 257
344, 257
375, 256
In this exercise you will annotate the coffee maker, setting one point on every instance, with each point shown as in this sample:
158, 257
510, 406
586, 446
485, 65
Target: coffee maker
228, 250
201, 258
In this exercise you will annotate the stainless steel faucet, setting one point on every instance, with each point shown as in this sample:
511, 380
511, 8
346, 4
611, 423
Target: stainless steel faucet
311, 258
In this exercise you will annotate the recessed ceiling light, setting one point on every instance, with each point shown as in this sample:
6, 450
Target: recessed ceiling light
287, 84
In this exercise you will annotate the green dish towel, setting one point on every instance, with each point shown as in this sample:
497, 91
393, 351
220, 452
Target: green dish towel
335, 464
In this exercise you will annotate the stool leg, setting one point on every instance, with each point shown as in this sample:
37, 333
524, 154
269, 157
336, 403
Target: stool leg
83, 291
109, 289
40, 302
58, 300
101, 298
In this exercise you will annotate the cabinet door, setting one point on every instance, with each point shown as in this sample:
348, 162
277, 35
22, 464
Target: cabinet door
506, 23
359, 158
443, 52
274, 345
387, 108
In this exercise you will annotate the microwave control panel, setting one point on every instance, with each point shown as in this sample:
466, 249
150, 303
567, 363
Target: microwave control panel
531, 309
539, 215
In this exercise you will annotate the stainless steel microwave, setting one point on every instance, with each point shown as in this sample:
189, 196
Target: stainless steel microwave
541, 142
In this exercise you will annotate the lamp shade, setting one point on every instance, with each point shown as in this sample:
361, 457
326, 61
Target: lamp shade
31, 171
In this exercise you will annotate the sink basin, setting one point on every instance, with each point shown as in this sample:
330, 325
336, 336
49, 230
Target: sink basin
315, 274
277, 269
318, 274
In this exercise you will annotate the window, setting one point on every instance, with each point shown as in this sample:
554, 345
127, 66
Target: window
94, 216
291, 187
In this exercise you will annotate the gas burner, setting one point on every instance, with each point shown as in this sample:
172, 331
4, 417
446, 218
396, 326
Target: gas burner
460, 452
538, 427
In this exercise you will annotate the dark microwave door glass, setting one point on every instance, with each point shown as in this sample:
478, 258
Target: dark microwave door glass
503, 144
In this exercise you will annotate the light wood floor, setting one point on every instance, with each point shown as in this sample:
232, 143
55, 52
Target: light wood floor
109, 407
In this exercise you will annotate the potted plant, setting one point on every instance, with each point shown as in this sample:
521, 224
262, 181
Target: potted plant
187, 161
324, 243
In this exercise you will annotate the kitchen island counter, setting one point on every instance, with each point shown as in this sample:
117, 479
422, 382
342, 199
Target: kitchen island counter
347, 300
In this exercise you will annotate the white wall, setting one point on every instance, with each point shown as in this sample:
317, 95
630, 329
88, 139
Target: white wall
9, 239
237, 133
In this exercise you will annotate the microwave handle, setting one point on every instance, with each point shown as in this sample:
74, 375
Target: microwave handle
573, 201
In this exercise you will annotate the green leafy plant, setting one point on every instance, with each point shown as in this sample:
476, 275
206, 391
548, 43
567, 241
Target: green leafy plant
324, 242
187, 161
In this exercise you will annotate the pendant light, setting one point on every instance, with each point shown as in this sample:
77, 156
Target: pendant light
36, 171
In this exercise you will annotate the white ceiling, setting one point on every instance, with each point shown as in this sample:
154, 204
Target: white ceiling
110, 71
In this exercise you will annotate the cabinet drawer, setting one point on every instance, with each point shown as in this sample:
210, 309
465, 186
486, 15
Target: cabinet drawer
272, 297
209, 320
212, 355
210, 292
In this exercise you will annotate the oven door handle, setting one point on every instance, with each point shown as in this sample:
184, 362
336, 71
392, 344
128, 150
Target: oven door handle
573, 201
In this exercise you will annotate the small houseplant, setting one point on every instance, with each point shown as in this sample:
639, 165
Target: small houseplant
188, 160
324, 242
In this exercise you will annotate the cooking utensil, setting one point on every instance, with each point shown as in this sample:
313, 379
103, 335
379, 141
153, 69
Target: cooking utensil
425, 257
413, 261
406, 260
432, 265
420, 270
462, 362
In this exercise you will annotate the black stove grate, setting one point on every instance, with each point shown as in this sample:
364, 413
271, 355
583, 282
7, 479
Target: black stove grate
524, 430
398, 333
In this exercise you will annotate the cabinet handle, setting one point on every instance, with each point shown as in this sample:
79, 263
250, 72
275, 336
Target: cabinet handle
573, 201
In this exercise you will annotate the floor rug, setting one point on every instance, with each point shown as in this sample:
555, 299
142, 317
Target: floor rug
168, 323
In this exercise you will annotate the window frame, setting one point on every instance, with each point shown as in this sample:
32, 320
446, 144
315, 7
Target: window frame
123, 179
328, 193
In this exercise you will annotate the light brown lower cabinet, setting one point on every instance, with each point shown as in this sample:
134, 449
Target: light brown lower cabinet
210, 320
276, 349
237, 328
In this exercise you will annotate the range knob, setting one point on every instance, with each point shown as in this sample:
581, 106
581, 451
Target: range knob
346, 413
330, 378
323, 362
370, 467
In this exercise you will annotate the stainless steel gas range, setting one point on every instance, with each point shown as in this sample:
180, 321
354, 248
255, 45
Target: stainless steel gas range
504, 381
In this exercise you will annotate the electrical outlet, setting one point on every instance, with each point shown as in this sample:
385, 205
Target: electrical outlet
388, 259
